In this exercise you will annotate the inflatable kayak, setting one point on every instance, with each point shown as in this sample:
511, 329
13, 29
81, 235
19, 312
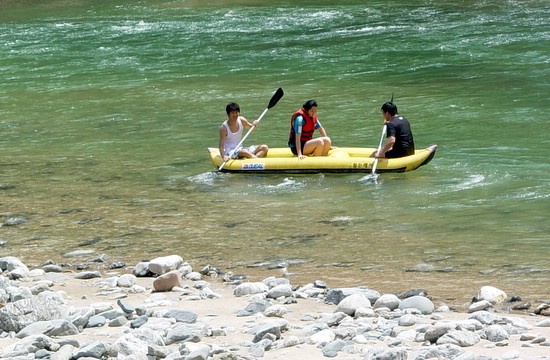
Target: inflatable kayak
338, 160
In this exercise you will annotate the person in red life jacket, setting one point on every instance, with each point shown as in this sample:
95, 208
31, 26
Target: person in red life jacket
302, 125
399, 137
230, 136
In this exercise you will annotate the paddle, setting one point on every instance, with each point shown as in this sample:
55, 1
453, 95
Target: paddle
373, 175
274, 100
375, 163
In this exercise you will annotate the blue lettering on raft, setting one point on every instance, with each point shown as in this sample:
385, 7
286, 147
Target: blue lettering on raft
253, 167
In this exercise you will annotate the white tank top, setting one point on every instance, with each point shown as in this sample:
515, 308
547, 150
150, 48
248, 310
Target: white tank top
233, 138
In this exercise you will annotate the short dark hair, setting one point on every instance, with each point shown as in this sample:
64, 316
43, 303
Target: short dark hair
232, 107
389, 107
309, 104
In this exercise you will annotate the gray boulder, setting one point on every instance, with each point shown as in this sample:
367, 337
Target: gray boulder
496, 333
250, 288
282, 290
164, 264
459, 338
334, 296
17, 315
351, 303
421, 303
53, 328
254, 307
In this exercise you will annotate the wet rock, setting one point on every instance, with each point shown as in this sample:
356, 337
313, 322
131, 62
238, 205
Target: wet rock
14, 221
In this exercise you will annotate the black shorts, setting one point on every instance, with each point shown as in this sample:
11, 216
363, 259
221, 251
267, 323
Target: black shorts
394, 153
294, 150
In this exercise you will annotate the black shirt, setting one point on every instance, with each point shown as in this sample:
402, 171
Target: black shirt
400, 128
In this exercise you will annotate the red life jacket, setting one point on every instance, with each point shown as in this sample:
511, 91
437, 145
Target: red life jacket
307, 127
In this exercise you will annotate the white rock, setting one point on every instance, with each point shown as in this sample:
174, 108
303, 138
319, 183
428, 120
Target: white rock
289, 341
351, 303
137, 289
250, 288
208, 293
164, 264
408, 335
275, 311
496, 333
101, 307
421, 303
36, 273
543, 323
518, 322
389, 301
479, 306
323, 337
407, 320
491, 294
127, 280
193, 276
10, 263
364, 312
282, 290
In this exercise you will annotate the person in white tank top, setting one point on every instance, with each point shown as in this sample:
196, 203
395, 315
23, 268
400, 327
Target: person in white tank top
230, 135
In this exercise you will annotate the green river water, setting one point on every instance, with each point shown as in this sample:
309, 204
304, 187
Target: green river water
107, 108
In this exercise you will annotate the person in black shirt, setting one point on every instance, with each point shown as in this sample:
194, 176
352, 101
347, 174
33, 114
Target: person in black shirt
399, 136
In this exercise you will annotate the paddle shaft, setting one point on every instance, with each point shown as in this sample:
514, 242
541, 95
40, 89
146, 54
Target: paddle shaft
272, 102
375, 163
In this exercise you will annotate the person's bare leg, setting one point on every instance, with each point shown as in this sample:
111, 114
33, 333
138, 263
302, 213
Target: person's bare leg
261, 151
246, 154
314, 147
327, 144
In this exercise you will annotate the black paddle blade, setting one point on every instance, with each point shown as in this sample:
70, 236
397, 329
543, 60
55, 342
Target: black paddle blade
275, 98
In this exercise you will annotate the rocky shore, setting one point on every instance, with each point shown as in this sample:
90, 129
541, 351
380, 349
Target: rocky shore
165, 309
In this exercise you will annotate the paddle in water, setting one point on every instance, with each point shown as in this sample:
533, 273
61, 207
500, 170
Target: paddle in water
373, 175
274, 100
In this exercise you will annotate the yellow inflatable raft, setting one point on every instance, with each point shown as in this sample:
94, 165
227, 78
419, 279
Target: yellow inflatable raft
339, 160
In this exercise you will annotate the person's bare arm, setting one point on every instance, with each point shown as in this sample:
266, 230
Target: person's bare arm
387, 147
221, 145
